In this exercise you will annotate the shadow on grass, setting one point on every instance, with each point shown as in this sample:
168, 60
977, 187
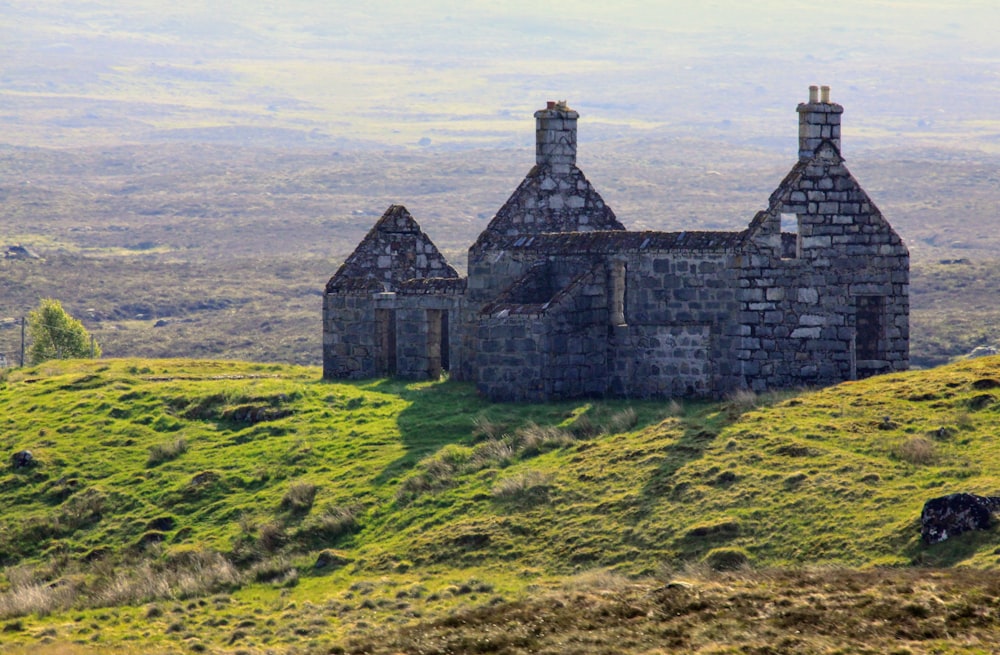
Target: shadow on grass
702, 423
446, 412
949, 553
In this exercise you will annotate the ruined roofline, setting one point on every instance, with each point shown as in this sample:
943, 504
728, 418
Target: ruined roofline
412, 287
505, 305
555, 195
615, 241
432, 285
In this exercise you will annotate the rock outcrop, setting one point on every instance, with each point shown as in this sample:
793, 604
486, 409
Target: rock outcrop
949, 516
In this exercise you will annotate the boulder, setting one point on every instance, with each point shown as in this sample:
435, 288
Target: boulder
954, 514
22, 459
983, 351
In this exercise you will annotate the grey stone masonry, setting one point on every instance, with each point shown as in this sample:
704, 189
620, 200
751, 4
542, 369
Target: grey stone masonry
393, 251
819, 120
561, 301
555, 196
555, 137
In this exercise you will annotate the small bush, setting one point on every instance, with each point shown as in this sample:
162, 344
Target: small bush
272, 537
437, 473
492, 452
917, 450
333, 523
188, 574
39, 598
726, 559
165, 452
276, 569
740, 401
82, 508
299, 498
622, 421
484, 428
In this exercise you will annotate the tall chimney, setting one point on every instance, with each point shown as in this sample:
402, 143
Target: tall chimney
555, 137
819, 120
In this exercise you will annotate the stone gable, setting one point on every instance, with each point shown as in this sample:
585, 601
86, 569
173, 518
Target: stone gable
394, 250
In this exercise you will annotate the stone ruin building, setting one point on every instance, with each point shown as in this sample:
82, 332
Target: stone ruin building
562, 301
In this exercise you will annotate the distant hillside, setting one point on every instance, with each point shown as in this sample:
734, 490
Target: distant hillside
193, 497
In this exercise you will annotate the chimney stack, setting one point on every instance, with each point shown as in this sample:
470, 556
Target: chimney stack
555, 137
819, 120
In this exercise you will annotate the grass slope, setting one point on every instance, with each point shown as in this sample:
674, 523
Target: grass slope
181, 505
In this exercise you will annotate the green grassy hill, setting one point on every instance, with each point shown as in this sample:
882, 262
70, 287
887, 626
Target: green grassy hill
206, 506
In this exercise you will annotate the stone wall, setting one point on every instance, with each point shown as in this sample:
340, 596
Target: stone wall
675, 336
555, 348
348, 336
681, 325
663, 361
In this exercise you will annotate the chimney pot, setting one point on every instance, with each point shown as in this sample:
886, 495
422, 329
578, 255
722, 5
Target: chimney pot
819, 121
555, 137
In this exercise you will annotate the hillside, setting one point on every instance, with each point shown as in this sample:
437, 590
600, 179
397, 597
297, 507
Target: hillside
178, 506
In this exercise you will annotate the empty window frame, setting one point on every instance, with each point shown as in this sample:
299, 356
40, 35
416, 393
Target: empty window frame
791, 239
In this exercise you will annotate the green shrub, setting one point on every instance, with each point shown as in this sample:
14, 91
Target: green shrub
533, 439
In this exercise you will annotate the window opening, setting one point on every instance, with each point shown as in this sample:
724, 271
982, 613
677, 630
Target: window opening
791, 239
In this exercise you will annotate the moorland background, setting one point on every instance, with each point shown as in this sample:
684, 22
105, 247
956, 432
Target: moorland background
191, 175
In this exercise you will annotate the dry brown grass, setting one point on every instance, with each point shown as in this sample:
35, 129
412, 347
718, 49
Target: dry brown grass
193, 574
917, 450
529, 485
185, 575
745, 611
